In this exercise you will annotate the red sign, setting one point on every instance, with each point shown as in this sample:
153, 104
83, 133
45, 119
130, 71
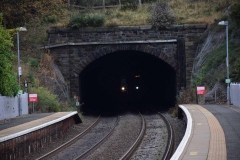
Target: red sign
33, 98
201, 90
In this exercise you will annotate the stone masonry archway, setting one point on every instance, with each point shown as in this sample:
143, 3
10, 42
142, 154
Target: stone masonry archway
75, 49
81, 56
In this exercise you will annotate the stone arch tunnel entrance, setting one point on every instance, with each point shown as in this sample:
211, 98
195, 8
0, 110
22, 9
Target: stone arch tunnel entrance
97, 62
127, 79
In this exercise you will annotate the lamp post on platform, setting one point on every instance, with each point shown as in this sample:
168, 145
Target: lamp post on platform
225, 23
20, 29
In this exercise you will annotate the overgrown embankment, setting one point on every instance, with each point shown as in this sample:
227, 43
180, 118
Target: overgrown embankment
38, 66
210, 62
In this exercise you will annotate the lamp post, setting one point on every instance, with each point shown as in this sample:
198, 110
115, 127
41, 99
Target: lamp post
225, 23
20, 29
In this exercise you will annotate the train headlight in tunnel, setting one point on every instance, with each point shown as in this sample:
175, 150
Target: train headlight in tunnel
123, 89
137, 87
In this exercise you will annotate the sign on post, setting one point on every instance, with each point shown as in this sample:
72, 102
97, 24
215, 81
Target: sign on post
33, 98
20, 92
201, 90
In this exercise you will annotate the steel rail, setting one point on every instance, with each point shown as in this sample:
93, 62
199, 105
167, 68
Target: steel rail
70, 142
130, 151
85, 154
170, 144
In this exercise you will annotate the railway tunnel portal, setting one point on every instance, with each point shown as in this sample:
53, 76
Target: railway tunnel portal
125, 65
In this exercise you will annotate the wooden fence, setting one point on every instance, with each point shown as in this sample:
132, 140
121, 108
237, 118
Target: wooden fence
99, 7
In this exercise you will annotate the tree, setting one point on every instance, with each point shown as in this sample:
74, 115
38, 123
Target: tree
8, 79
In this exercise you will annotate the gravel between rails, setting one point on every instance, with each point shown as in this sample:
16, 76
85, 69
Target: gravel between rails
178, 125
154, 142
121, 140
179, 128
89, 140
71, 133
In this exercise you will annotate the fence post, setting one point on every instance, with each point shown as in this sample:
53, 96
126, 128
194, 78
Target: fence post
140, 2
104, 4
215, 94
69, 5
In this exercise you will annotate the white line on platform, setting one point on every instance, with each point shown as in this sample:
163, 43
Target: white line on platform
186, 137
2, 139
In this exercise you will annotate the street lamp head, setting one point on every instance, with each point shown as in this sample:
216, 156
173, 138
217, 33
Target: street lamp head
223, 23
21, 29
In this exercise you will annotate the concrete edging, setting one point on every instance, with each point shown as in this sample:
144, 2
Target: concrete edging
186, 137
37, 127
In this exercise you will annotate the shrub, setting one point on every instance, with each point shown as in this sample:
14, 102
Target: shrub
49, 19
129, 6
235, 14
86, 20
161, 15
33, 62
47, 102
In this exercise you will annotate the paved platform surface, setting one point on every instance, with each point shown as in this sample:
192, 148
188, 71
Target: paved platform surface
23, 125
4, 124
204, 137
229, 119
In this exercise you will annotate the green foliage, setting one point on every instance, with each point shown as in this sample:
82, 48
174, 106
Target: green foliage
8, 79
47, 102
235, 14
86, 20
33, 62
133, 5
162, 15
19, 12
214, 67
173, 111
49, 19
30, 76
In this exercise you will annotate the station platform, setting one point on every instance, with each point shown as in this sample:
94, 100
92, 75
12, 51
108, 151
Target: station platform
22, 135
23, 125
212, 133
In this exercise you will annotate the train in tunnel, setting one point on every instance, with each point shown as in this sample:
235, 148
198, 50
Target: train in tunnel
125, 80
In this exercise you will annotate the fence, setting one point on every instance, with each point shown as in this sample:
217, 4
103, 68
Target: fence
101, 4
11, 107
235, 94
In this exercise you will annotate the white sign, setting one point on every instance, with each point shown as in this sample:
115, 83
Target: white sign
33, 98
200, 88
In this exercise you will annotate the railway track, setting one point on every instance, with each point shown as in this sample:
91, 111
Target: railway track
53, 154
157, 142
112, 138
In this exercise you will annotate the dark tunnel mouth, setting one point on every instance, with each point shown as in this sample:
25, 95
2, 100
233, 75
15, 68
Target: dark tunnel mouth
148, 81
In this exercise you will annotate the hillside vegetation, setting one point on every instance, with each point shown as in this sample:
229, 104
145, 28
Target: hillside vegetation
38, 15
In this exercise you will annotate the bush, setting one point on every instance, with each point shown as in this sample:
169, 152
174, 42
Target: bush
235, 14
86, 20
47, 102
49, 19
33, 62
161, 15
129, 6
